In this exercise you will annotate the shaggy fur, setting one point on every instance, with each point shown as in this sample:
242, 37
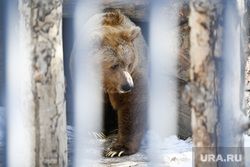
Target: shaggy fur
122, 53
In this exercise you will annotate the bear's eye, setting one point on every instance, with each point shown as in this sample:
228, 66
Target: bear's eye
129, 66
114, 67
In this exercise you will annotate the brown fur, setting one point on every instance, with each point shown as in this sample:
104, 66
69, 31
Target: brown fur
115, 50
112, 19
118, 49
132, 117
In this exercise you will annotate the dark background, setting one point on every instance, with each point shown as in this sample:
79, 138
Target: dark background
68, 40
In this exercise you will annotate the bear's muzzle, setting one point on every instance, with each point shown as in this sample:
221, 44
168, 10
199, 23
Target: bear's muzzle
129, 84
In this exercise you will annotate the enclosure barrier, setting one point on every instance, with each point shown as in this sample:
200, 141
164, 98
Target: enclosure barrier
36, 115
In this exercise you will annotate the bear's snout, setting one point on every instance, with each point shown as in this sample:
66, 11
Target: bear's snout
127, 87
128, 83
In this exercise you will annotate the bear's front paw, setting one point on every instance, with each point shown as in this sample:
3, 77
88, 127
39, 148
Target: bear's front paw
118, 151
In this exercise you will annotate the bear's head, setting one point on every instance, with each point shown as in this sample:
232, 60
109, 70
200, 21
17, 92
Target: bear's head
118, 57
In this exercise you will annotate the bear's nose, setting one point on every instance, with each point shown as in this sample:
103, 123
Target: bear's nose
127, 87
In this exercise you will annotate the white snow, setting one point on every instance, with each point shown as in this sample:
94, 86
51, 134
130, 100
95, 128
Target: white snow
247, 141
173, 152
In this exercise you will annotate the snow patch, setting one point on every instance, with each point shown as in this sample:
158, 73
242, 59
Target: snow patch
247, 141
173, 152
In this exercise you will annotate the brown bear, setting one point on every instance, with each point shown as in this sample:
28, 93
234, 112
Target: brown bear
124, 76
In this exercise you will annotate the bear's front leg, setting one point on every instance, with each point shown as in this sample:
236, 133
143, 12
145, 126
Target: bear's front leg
132, 114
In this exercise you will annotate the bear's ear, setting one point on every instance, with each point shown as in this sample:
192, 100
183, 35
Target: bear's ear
131, 34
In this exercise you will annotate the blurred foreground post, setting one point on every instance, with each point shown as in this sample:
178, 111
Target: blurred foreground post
204, 92
215, 95
43, 85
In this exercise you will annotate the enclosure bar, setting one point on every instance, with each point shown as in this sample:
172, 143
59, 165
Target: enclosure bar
232, 116
163, 84
35, 76
87, 88
17, 143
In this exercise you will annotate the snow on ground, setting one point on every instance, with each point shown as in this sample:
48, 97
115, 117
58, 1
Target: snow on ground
247, 141
173, 152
